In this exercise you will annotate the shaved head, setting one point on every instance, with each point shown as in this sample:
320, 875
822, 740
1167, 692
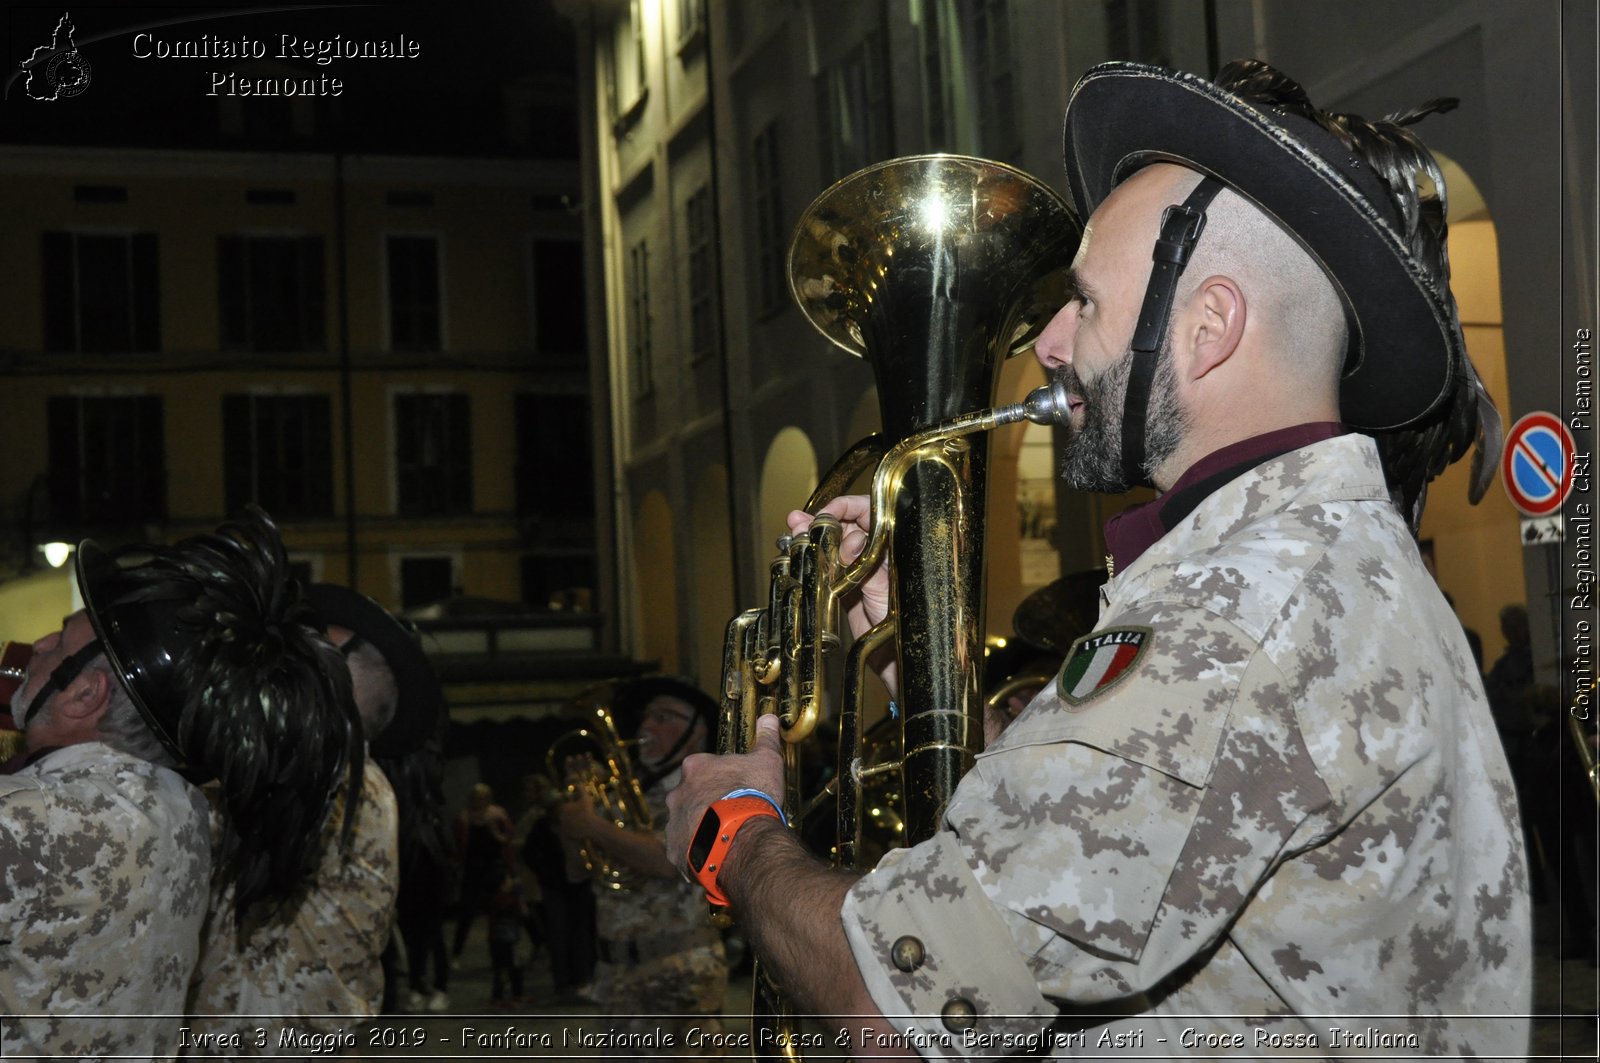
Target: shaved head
1290, 295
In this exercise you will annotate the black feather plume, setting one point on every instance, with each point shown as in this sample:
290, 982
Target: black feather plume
1412, 455
266, 705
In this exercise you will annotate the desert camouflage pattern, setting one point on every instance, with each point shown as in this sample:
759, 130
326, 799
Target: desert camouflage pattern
680, 980
104, 861
1293, 809
318, 972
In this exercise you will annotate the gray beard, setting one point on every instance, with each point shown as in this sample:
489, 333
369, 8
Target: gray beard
1092, 458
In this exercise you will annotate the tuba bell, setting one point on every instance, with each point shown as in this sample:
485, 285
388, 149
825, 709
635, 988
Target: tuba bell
934, 268
592, 760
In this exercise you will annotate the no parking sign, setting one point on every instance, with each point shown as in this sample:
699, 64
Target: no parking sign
1536, 465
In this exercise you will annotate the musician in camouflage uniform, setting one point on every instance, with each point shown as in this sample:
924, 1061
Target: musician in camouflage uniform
185, 656
662, 965
320, 970
103, 854
1262, 809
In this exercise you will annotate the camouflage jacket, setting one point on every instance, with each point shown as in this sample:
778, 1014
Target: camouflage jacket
104, 860
1267, 786
319, 970
655, 916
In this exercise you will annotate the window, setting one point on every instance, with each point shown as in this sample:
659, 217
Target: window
933, 80
639, 318
853, 102
552, 130
102, 294
555, 474
107, 459
969, 78
425, 580
996, 80
626, 83
700, 231
1134, 31
560, 582
433, 454
691, 22
271, 292
559, 306
277, 451
772, 280
99, 194
413, 264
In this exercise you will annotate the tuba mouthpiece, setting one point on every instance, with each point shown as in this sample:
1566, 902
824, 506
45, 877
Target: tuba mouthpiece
1048, 404
1044, 405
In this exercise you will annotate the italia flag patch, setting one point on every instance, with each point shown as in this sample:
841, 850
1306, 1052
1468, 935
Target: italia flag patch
1098, 660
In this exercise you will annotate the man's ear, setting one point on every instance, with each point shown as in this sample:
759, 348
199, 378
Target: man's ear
1215, 324
86, 698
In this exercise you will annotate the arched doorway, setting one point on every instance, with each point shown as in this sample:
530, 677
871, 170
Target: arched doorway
1476, 550
713, 605
655, 584
788, 476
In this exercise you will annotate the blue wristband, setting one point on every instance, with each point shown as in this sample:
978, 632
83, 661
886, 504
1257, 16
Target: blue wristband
748, 792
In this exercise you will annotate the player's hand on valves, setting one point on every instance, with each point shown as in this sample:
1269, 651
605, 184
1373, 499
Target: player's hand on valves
870, 604
576, 817
854, 512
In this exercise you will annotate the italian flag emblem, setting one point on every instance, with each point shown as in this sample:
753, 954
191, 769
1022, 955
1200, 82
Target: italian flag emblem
1098, 660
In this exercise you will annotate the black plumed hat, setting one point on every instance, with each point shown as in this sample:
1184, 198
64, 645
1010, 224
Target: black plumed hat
1356, 215
223, 659
1365, 198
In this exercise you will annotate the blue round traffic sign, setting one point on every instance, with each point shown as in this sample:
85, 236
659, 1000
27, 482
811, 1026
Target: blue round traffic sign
1536, 465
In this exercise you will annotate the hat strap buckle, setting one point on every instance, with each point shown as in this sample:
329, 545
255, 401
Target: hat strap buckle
1181, 226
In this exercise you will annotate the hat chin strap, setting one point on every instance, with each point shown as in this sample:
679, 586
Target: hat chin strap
61, 678
1180, 229
666, 763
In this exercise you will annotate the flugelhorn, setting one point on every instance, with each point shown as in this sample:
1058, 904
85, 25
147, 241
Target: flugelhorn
592, 760
934, 268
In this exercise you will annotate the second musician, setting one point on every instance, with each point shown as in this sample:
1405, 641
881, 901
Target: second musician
661, 963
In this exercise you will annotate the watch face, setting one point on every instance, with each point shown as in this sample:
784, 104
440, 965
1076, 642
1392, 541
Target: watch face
704, 838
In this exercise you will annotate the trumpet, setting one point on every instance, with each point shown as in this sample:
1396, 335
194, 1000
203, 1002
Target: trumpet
606, 779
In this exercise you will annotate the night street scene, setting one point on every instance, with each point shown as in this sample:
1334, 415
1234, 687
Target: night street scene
418, 421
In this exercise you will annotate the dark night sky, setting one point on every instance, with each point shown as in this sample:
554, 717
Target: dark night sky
448, 100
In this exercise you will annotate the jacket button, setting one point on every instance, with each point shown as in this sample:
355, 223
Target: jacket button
907, 953
959, 1015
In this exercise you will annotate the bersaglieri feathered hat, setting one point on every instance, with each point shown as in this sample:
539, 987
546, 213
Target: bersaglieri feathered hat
1366, 199
224, 660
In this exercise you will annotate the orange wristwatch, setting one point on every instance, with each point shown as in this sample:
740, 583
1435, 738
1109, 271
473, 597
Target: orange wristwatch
716, 832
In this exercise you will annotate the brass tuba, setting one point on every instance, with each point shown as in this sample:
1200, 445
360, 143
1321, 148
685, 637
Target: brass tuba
606, 777
934, 268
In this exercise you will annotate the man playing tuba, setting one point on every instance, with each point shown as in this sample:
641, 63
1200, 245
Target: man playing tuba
1262, 807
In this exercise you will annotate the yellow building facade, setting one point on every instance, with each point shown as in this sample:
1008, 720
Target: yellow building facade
380, 351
